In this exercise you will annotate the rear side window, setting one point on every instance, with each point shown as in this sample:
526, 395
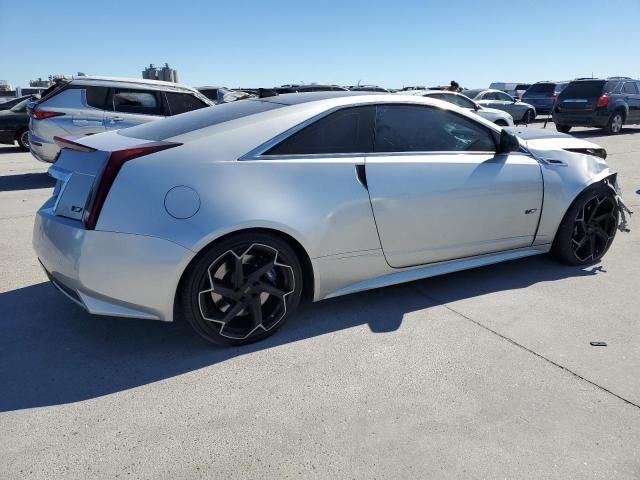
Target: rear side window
136, 101
542, 88
96, 96
349, 130
183, 102
629, 87
412, 128
584, 89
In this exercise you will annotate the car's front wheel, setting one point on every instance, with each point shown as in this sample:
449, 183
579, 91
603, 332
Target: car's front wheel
588, 228
23, 139
242, 289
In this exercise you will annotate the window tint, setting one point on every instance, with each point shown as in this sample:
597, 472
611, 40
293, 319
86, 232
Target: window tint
471, 93
136, 101
96, 96
629, 87
459, 100
183, 102
412, 128
583, 89
502, 96
542, 88
349, 130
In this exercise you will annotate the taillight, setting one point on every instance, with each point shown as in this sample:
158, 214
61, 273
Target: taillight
603, 101
42, 114
108, 175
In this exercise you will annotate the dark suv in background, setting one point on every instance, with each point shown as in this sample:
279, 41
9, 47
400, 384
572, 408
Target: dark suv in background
604, 103
542, 95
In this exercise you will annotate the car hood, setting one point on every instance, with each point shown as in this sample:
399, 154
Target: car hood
561, 150
542, 139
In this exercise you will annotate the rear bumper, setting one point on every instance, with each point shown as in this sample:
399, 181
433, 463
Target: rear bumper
577, 119
109, 273
541, 105
43, 150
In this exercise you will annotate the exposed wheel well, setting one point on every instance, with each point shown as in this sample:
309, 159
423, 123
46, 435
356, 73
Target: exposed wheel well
303, 257
622, 110
19, 132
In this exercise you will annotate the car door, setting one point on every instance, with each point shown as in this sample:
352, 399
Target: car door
440, 191
89, 119
127, 107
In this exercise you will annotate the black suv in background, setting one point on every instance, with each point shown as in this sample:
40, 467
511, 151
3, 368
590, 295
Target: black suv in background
604, 103
542, 95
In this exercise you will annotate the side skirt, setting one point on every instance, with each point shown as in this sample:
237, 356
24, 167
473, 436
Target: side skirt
432, 270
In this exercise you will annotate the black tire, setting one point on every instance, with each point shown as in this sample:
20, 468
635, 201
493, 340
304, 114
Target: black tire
246, 303
588, 228
23, 139
528, 117
614, 125
501, 123
563, 128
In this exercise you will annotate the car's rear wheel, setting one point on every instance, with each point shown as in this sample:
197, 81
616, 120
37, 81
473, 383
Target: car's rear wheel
529, 117
563, 128
614, 125
23, 139
588, 228
242, 289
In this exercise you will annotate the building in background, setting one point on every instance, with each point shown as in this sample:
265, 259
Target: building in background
47, 82
166, 73
4, 86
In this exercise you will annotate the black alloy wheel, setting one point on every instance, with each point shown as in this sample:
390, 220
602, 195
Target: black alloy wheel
243, 289
589, 227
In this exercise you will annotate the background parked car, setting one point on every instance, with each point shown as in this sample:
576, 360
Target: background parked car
310, 87
605, 103
367, 88
12, 102
14, 125
520, 111
514, 89
543, 95
498, 117
89, 105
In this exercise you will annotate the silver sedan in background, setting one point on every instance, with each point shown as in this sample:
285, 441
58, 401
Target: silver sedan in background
232, 214
520, 111
496, 116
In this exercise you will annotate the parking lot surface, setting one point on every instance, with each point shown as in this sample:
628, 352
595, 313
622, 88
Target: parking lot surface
481, 374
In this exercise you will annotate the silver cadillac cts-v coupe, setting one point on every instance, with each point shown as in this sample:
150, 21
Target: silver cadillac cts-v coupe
230, 215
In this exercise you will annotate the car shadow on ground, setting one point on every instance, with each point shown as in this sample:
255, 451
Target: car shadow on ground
10, 149
26, 181
52, 352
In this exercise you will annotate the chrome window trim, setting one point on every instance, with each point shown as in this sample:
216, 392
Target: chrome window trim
257, 153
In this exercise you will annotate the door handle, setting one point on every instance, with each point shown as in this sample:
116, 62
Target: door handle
116, 119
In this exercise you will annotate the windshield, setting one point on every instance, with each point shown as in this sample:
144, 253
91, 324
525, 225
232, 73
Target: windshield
472, 93
20, 107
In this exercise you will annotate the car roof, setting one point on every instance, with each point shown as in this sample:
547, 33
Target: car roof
306, 97
114, 81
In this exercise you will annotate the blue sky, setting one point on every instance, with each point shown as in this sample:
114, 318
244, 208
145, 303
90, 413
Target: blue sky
270, 43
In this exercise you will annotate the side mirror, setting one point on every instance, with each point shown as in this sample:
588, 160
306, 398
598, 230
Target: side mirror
508, 142
476, 107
